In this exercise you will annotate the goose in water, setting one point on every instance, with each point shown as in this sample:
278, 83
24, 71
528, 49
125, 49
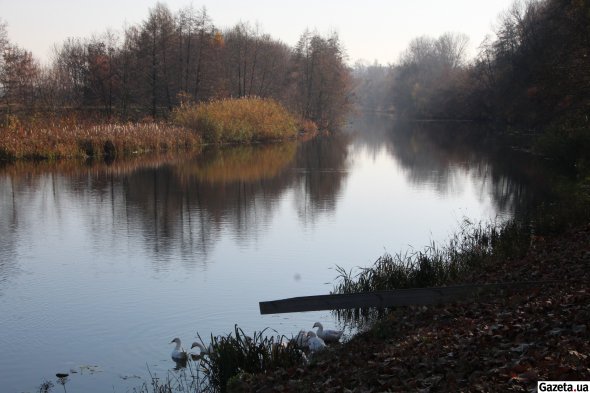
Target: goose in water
178, 353
314, 342
329, 336
204, 351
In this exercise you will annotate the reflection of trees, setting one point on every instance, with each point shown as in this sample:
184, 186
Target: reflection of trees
321, 165
8, 226
21, 210
244, 163
179, 207
435, 153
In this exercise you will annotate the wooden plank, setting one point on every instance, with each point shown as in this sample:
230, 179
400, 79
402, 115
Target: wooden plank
381, 299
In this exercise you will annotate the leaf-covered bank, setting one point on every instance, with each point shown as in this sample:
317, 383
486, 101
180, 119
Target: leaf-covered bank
502, 342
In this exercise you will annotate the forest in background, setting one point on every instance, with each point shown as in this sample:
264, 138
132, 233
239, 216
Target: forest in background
532, 78
173, 58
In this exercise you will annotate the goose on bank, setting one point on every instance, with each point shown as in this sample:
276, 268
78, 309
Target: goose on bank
329, 336
301, 339
314, 342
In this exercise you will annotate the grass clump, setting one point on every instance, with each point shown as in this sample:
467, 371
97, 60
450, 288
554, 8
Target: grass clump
237, 354
188, 379
468, 250
241, 120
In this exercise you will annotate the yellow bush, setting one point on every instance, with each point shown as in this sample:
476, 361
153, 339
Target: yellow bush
238, 120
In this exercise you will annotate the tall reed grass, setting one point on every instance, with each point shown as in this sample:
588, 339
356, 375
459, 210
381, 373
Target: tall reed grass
189, 379
238, 353
71, 138
241, 120
468, 250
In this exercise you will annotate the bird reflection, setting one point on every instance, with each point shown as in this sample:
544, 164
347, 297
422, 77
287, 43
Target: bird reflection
180, 363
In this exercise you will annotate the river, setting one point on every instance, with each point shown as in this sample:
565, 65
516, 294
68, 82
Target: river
101, 266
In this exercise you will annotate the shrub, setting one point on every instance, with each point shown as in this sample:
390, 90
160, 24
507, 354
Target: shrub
249, 119
238, 353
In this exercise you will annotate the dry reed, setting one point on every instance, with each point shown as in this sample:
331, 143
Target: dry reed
250, 119
69, 138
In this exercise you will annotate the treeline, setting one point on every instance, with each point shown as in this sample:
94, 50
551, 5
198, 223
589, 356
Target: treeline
534, 76
172, 58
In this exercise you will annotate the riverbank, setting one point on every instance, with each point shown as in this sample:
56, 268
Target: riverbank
501, 342
228, 121
73, 138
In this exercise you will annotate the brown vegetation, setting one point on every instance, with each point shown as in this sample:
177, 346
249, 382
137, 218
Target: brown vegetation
70, 138
249, 119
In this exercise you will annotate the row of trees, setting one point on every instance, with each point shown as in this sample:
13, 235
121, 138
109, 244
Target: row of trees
536, 70
171, 57
419, 85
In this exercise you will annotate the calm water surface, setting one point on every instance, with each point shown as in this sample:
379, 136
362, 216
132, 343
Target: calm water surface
101, 266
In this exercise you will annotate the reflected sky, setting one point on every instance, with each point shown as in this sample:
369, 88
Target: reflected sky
103, 265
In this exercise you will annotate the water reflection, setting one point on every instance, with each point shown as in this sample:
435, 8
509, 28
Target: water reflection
239, 163
440, 154
180, 205
321, 171
8, 230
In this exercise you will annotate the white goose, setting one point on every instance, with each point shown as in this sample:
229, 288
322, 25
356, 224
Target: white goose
314, 342
301, 339
178, 353
204, 351
329, 336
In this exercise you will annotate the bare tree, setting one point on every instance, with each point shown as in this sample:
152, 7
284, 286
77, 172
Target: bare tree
156, 42
103, 74
71, 69
451, 49
19, 77
321, 78
196, 50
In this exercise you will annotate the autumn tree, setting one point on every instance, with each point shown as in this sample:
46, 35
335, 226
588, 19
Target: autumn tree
169, 57
71, 71
200, 44
19, 77
321, 78
428, 70
255, 63
3, 42
373, 86
154, 47
241, 55
540, 60
103, 78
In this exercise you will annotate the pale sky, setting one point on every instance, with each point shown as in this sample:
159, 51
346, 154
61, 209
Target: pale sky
369, 29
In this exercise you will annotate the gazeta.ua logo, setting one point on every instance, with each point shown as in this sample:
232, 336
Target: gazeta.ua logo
563, 386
